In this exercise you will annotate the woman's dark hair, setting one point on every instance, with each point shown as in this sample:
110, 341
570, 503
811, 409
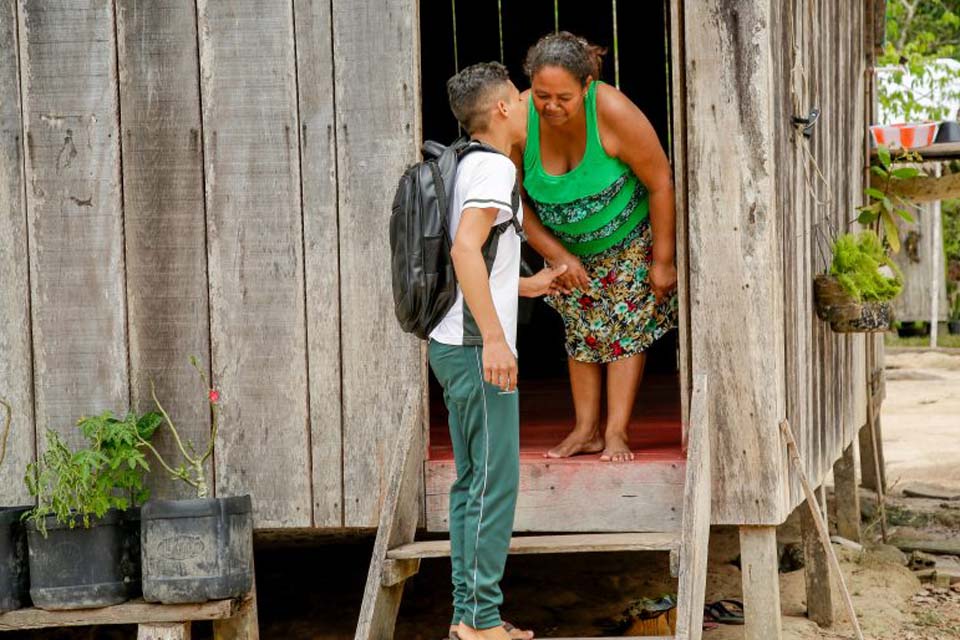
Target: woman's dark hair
563, 49
470, 93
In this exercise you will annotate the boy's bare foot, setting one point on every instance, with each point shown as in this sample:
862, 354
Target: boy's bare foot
469, 633
617, 449
576, 443
512, 631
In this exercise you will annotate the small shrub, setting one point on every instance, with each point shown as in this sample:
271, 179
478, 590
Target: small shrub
863, 268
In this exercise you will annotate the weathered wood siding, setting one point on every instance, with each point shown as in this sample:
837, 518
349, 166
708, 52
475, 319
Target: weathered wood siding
16, 380
168, 188
915, 303
821, 54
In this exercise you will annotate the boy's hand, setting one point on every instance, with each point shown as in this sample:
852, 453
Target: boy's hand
544, 282
575, 276
499, 364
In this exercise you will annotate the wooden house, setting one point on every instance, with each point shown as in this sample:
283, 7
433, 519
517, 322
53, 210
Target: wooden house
212, 178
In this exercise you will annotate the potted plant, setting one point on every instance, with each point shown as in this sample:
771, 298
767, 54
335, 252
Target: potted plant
197, 549
855, 296
14, 576
953, 318
77, 534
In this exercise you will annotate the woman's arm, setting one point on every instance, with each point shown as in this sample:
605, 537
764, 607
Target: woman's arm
544, 242
627, 134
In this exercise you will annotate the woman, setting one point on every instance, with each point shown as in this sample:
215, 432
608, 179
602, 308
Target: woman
599, 195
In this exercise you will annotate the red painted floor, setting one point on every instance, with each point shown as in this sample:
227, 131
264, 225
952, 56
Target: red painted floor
546, 416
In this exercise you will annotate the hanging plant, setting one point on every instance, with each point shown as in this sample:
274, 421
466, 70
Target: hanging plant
885, 204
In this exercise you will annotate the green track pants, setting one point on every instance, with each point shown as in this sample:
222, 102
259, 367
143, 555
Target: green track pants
485, 431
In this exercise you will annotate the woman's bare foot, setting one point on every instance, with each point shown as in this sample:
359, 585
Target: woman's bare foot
512, 631
617, 449
578, 442
469, 633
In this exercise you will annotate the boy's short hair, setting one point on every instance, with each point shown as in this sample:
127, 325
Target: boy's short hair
471, 92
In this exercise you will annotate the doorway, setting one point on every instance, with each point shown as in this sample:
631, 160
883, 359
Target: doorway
457, 34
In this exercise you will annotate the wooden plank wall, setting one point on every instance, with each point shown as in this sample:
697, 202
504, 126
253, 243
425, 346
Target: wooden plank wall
820, 61
915, 303
16, 379
736, 279
169, 187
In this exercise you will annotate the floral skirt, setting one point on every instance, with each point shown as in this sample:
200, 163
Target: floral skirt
617, 316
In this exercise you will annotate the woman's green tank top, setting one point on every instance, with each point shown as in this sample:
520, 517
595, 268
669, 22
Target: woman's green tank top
595, 205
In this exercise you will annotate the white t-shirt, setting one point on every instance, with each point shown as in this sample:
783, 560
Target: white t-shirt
485, 180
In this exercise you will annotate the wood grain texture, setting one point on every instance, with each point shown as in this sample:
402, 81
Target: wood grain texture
69, 81
133, 612
397, 525
568, 543
917, 262
164, 220
255, 256
318, 168
558, 496
846, 495
761, 584
736, 273
166, 631
244, 625
816, 573
16, 367
695, 531
376, 53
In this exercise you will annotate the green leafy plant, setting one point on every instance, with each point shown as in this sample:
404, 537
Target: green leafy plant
864, 269
191, 470
77, 486
885, 203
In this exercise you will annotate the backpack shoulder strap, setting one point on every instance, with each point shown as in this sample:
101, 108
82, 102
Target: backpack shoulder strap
469, 146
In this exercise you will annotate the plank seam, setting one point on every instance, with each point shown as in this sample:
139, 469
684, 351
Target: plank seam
123, 203
26, 228
212, 480
303, 248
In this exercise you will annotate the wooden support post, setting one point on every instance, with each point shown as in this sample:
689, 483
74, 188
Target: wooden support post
846, 498
761, 583
816, 571
164, 631
875, 459
243, 626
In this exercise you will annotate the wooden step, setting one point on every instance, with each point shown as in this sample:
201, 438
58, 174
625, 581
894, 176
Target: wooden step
573, 543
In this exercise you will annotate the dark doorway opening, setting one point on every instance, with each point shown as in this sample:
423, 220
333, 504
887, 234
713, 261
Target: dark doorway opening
456, 34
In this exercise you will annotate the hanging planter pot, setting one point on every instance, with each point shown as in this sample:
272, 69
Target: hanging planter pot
197, 550
79, 567
844, 313
14, 573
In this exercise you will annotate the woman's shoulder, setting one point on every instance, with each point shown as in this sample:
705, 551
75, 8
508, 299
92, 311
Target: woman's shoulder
613, 104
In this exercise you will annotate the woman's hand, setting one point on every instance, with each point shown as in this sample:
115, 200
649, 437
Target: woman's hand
663, 279
543, 282
575, 276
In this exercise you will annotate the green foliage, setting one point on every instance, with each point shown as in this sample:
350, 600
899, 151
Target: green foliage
919, 32
858, 265
885, 204
76, 486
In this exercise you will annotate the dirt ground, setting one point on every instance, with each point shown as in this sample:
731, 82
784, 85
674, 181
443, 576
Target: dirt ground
313, 592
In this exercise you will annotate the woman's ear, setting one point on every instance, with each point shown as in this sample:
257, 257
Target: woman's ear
586, 85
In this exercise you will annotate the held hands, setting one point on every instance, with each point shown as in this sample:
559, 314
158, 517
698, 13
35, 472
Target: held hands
574, 276
499, 364
544, 282
663, 279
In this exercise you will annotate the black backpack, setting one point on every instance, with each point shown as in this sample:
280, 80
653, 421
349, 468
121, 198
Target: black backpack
424, 283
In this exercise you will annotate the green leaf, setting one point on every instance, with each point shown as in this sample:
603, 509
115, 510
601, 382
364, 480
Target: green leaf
892, 232
904, 173
866, 217
884, 154
905, 215
880, 171
876, 194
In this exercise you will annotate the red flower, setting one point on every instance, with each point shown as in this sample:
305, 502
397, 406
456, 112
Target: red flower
617, 349
214, 396
591, 341
631, 305
586, 302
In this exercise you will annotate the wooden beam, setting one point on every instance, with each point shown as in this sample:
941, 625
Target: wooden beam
761, 583
133, 612
566, 543
846, 498
923, 189
166, 631
244, 625
398, 571
816, 571
695, 531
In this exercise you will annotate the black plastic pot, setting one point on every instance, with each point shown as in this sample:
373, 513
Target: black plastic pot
949, 131
14, 572
78, 568
197, 550
953, 327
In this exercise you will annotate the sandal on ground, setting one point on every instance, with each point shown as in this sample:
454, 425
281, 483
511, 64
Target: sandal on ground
720, 612
509, 628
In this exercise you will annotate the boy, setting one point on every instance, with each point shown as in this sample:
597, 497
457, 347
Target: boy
473, 350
